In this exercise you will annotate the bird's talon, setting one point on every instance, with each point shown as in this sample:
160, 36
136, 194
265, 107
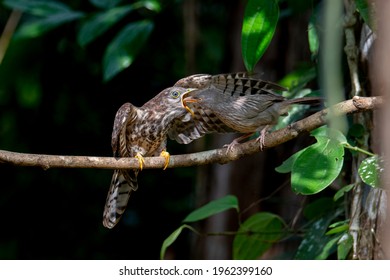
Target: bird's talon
230, 146
261, 138
141, 160
167, 156
261, 142
235, 142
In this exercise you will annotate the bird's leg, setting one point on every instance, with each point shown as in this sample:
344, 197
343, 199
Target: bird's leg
261, 138
236, 141
167, 156
140, 160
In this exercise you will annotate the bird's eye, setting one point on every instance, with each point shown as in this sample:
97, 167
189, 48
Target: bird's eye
175, 94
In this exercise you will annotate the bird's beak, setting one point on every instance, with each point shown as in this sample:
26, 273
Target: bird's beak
189, 100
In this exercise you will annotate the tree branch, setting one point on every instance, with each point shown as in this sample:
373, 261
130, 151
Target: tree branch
221, 156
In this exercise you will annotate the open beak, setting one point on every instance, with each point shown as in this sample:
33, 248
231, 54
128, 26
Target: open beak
189, 100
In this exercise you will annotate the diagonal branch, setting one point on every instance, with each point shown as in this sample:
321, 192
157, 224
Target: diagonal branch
221, 156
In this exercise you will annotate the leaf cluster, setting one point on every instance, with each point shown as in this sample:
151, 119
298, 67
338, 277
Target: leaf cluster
313, 169
44, 16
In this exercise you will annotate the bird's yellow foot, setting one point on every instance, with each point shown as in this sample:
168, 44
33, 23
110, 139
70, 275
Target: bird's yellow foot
140, 160
165, 155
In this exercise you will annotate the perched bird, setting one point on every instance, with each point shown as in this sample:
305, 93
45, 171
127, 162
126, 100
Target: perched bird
141, 132
194, 106
237, 102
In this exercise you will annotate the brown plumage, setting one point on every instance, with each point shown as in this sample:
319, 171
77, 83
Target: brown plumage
219, 104
238, 102
140, 132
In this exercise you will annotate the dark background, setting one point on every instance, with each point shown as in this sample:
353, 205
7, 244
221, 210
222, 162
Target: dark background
53, 101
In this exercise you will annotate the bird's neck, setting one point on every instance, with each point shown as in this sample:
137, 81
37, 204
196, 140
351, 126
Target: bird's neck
163, 119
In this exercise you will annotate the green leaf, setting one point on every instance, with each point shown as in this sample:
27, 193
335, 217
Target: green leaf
260, 19
337, 135
321, 131
299, 77
314, 31
212, 208
152, 5
105, 4
48, 15
340, 193
296, 111
256, 235
37, 27
315, 244
38, 7
319, 207
338, 229
344, 246
287, 165
123, 49
330, 133
317, 166
339, 223
328, 249
172, 238
29, 91
314, 41
367, 12
100, 23
369, 171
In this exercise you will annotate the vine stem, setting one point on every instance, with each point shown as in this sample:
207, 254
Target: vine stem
357, 149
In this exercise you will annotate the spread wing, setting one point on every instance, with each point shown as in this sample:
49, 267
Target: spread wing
222, 90
203, 121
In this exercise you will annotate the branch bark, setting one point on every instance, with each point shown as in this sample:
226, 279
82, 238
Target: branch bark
221, 156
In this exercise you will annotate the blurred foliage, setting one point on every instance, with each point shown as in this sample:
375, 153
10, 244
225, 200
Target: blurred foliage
69, 67
313, 169
43, 16
53, 101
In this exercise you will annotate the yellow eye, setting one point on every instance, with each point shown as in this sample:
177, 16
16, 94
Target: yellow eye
175, 94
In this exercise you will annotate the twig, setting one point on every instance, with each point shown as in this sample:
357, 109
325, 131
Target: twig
212, 156
8, 31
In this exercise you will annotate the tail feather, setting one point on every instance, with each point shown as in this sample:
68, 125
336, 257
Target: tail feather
122, 184
306, 100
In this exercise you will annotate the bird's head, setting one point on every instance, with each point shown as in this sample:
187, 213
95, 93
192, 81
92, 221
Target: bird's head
197, 81
174, 95
173, 98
